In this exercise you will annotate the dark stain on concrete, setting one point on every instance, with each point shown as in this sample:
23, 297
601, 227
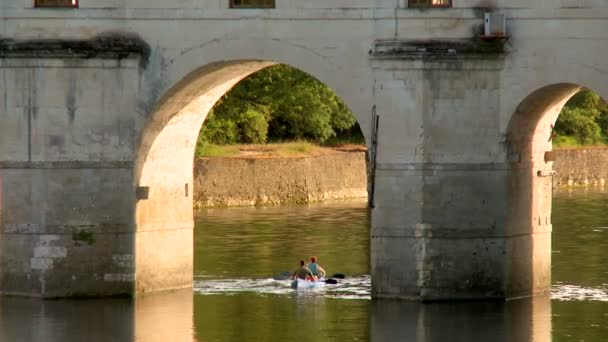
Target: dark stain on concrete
83, 236
474, 48
32, 109
56, 140
111, 45
70, 99
152, 83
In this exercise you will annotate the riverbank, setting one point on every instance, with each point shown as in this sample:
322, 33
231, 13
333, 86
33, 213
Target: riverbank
580, 167
301, 173
265, 176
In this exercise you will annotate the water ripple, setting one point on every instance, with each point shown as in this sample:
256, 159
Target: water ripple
360, 288
563, 292
349, 288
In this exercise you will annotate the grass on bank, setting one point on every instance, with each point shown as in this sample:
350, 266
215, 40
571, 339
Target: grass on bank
274, 150
304, 148
212, 150
564, 141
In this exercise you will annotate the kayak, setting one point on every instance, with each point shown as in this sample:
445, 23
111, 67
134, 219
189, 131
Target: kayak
302, 284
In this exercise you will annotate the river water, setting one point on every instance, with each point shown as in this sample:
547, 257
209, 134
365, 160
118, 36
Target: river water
235, 298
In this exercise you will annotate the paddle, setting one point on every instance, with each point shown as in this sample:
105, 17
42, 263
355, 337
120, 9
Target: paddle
285, 275
282, 276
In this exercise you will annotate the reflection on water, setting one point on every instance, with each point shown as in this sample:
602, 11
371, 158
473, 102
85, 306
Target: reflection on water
34, 320
521, 321
580, 265
164, 317
294, 316
261, 242
235, 298
580, 239
158, 318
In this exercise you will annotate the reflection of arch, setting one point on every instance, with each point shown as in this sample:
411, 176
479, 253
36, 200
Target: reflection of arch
164, 163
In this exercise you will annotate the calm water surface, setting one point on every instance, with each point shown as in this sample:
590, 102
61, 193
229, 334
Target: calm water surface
236, 299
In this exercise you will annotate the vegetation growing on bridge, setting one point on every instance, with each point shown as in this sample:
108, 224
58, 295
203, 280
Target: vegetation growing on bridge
278, 104
583, 121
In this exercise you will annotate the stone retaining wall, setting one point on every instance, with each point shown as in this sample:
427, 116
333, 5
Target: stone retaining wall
580, 167
221, 182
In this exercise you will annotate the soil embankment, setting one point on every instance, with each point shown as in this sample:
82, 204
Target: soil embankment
580, 167
253, 180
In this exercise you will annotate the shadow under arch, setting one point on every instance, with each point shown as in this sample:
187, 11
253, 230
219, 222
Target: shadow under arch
163, 174
530, 167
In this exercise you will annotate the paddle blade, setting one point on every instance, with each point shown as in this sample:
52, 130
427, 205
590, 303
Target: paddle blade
282, 276
338, 276
331, 281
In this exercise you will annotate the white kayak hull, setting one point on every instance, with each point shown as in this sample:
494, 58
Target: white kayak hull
302, 284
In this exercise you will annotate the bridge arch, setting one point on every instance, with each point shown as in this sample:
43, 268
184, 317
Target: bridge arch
530, 164
163, 172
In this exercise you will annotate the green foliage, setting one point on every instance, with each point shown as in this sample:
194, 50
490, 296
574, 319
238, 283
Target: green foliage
580, 124
565, 141
582, 121
279, 103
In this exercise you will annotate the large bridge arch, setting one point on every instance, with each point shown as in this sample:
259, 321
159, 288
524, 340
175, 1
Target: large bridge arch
163, 169
348, 76
530, 163
531, 72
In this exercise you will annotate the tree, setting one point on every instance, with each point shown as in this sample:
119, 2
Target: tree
584, 118
276, 104
578, 123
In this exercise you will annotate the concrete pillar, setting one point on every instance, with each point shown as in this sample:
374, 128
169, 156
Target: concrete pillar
455, 217
63, 230
66, 172
447, 241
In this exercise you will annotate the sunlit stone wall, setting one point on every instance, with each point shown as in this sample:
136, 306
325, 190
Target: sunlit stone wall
580, 167
226, 182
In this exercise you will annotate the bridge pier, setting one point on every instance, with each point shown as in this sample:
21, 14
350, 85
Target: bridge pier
64, 232
456, 215
67, 136
444, 232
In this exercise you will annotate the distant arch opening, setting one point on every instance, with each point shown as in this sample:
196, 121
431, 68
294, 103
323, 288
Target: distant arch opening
164, 174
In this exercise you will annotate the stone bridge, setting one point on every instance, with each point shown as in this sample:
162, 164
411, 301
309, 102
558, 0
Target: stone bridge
101, 105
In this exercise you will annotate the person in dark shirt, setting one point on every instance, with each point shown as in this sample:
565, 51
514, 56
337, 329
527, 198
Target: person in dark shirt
302, 272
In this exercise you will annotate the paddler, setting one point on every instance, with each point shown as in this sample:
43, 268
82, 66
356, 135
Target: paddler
315, 268
302, 272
